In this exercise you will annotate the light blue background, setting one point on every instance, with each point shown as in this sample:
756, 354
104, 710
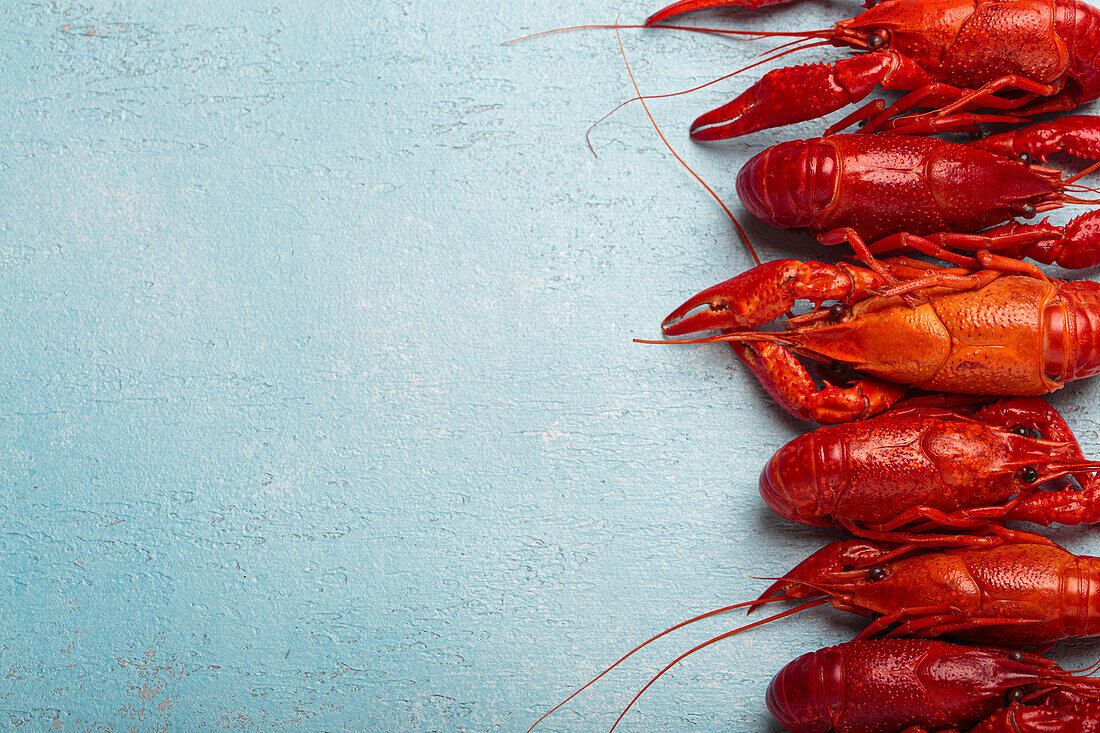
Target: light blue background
320, 406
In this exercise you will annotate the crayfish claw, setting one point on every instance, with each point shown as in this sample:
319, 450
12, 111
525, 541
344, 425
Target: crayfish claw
690, 6
705, 311
795, 94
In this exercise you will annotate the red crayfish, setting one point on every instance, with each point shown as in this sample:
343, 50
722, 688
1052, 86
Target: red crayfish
950, 55
983, 332
885, 193
893, 685
916, 468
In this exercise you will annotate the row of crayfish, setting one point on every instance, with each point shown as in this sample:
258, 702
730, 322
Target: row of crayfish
915, 458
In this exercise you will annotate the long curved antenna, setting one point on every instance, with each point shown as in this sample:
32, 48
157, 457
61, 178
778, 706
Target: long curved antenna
718, 638
736, 225
1082, 174
648, 641
704, 85
752, 35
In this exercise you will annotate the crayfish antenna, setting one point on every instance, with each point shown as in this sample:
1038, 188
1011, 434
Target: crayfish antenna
736, 336
645, 643
776, 53
720, 637
641, 98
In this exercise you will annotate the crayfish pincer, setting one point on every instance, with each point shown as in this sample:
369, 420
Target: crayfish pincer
953, 56
919, 468
985, 332
893, 685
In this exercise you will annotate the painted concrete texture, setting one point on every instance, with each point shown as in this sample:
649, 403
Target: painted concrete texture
321, 410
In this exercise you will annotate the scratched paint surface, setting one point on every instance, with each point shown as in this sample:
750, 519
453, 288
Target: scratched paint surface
320, 406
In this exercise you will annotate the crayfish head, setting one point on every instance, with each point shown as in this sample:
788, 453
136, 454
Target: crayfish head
836, 569
921, 30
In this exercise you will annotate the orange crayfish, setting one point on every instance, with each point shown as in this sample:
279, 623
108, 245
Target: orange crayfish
986, 332
892, 685
954, 56
1017, 594
1014, 594
885, 193
916, 468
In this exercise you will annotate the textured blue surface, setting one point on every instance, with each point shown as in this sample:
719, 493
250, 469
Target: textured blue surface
321, 410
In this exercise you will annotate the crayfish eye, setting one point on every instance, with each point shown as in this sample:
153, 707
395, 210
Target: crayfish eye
876, 573
839, 312
1024, 158
1028, 474
1018, 429
1025, 210
877, 40
1016, 656
1014, 695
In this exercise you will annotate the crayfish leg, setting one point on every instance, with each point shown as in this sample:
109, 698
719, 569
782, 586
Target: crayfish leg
790, 385
1076, 135
943, 279
948, 116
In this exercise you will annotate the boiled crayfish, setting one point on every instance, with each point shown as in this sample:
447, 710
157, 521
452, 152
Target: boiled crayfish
886, 193
893, 685
920, 467
985, 332
954, 56
1016, 594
